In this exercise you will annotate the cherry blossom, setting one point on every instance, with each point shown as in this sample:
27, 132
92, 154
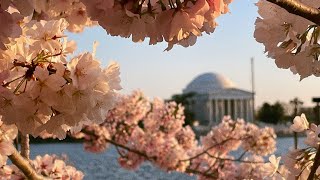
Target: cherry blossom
7, 135
289, 39
273, 165
48, 91
152, 130
179, 22
298, 163
43, 92
300, 123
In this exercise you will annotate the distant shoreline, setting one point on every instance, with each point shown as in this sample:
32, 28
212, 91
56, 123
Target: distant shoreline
52, 141
289, 135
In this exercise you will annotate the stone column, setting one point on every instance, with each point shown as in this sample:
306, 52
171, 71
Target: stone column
248, 110
229, 107
216, 110
235, 108
241, 108
222, 108
209, 105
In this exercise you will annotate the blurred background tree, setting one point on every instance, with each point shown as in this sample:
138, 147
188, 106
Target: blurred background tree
271, 113
186, 101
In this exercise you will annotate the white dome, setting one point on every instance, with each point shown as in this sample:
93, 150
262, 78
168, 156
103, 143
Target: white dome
208, 82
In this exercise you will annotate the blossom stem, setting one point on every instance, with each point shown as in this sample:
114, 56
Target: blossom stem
211, 147
7, 83
315, 165
208, 175
24, 166
25, 146
300, 9
188, 170
19, 85
234, 160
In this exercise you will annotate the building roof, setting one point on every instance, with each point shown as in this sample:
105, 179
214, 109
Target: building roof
207, 83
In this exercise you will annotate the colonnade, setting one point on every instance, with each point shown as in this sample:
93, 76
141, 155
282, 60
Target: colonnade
236, 108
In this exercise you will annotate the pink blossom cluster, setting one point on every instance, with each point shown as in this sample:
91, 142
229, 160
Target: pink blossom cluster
50, 166
233, 134
229, 136
46, 89
126, 115
174, 21
7, 135
153, 131
159, 135
95, 138
154, 128
260, 141
291, 40
73, 11
9, 25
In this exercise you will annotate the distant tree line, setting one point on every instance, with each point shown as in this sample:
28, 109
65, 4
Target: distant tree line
185, 100
285, 112
271, 113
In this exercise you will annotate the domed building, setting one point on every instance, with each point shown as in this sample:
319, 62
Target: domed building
217, 96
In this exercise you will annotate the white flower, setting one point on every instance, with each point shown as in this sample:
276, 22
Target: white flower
272, 167
46, 34
84, 71
300, 123
46, 86
312, 136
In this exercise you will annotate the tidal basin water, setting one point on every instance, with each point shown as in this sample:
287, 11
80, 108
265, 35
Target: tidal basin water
105, 166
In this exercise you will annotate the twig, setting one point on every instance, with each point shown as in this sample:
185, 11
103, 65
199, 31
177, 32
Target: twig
209, 175
300, 9
234, 160
242, 155
214, 145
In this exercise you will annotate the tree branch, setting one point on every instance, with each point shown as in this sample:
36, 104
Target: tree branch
25, 146
315, 165
188, 170
24, 166
300, 9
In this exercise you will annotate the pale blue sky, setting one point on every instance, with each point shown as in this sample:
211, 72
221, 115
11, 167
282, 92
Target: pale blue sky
227, 51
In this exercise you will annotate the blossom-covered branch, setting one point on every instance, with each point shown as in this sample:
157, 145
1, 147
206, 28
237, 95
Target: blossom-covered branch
47, 91
291, 40
300, 9
302, 163
153, 130
43, 92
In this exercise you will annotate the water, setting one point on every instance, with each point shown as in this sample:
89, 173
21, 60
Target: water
105, 166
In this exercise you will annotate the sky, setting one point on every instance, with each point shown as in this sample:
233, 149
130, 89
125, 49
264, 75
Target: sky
227, 51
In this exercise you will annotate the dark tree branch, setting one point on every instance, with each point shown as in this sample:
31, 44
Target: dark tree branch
300, 9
